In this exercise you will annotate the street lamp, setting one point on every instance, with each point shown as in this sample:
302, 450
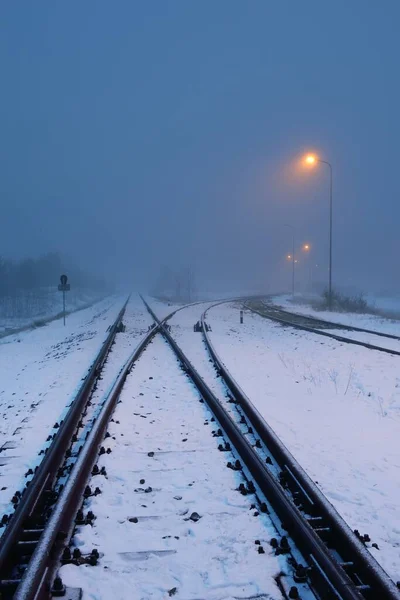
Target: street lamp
307, 250
311, 160
292, 257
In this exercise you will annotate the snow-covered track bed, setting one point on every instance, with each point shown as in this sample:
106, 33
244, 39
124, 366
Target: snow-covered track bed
170, 519
338, 539
23, 528
346, 568
373, 340
347, 548
31, 562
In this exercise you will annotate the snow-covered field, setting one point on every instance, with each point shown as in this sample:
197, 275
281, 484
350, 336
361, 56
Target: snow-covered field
336, 407
169, 519
40, 372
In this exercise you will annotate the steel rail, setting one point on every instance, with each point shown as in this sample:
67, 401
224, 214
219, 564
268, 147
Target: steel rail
56, 451
46, 557
333, 324
334, 576
41, 568
372, 573
36, 580
338, 338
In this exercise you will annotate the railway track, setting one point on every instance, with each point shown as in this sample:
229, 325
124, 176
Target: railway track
171, 519
34, 535
320, 557
348, 550
322, 327
33, 505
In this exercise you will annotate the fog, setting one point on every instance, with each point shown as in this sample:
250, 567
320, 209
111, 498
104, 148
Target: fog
139, 136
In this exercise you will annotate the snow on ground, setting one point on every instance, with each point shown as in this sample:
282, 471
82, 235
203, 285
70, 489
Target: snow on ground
136, 321
368, 338
193, 346
40, 373
169, 519
163, 308
365, 321
335, 406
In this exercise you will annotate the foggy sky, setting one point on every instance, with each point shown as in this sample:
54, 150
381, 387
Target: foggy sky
139, 134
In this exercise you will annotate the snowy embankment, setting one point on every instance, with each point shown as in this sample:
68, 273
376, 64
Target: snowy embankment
335, 406
169, 520
52, 308
365, 321
40, 373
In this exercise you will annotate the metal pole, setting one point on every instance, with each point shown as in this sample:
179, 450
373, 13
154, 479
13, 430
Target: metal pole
64, 305
292, 228
330, 238
330, 230
293, 266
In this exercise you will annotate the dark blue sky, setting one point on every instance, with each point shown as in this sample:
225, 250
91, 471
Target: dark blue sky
136, 134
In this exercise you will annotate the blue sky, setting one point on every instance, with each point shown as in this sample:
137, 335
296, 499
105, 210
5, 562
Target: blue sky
168, 128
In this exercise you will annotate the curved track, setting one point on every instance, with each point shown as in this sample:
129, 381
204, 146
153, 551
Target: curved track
34, 538
333, 552
348, 550
21, 544
318, 326
165, 463
324, 558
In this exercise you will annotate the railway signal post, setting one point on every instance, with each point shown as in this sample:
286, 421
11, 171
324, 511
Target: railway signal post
64, 287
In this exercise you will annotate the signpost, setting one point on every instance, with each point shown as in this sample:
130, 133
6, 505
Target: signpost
64, 287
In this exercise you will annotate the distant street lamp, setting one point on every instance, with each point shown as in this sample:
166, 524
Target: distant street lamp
292, 257
311, 160
307, 249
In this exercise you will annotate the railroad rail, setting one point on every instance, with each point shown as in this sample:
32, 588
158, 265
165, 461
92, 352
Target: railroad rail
327, 571
318, 326
331, 574
311, 514
333, 550
35, 536
33, 506
166, 462
334, 325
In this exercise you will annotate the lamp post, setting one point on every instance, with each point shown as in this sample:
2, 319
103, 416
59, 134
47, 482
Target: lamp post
311, 159
307, 248
292, 228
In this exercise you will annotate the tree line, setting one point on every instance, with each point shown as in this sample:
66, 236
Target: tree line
176, 284
28, 286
